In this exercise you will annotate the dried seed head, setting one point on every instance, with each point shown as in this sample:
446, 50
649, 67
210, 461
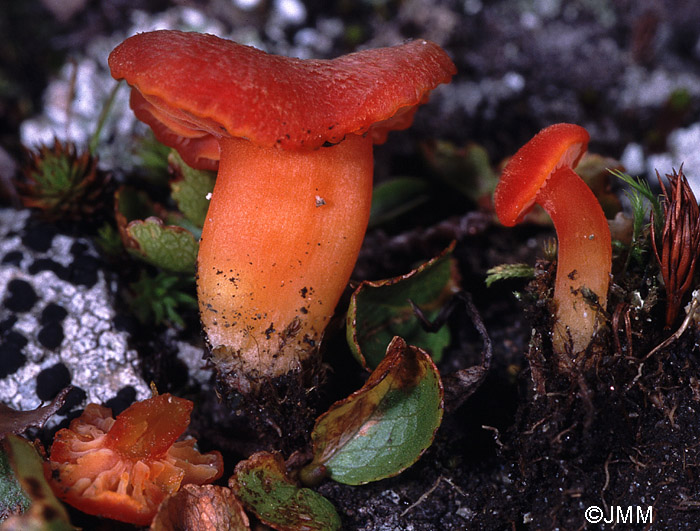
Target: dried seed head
677, 247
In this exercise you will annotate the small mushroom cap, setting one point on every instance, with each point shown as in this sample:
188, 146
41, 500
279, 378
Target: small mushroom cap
556, 146
194, 82
123, 468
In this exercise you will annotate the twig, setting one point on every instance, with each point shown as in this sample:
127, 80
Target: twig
606, 467
432, 489
461, 384
465, 298
496, 434
694, 305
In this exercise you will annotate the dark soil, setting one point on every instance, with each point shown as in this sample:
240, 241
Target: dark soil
536, 445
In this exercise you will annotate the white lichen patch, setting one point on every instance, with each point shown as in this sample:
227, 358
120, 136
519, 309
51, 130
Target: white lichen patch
193, 356
95, 353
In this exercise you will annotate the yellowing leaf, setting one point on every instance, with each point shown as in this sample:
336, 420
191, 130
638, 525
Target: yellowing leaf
383, 428
45, 513
166, 246
261, 483
145, 235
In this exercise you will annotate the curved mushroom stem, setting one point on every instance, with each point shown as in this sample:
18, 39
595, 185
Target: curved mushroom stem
279, 243
583, 261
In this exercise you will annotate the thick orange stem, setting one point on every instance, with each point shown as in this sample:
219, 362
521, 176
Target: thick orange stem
583, 261
279, 243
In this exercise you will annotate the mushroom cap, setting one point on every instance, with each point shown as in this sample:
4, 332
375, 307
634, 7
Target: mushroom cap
527, 171
123, 468
194, 83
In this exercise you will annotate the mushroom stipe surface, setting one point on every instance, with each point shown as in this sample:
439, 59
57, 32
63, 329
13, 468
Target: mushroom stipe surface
542, 172
283, 132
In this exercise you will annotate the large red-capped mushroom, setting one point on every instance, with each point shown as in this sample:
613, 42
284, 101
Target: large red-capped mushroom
123, 468
292, 140
542, 172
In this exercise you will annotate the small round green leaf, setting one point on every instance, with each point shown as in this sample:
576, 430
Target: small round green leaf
261, 483
143, 233
166, 246
382, 429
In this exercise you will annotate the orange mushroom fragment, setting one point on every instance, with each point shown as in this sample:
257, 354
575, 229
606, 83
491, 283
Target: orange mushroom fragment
292, 197
123, 468
542, 172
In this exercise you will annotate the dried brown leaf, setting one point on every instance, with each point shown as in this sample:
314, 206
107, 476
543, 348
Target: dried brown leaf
201, 508
14, 421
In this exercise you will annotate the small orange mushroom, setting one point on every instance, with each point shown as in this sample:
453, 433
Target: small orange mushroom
542, 172
123, 468
292, 140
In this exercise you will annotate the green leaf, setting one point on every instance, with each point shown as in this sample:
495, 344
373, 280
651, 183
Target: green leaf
160, 298
145, 236
380, 310
177, 219
45, 513
13, 500
261, 483
166, 246
190, 189
382, 429
392, 198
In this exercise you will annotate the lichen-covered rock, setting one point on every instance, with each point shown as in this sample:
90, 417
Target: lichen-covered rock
57, 324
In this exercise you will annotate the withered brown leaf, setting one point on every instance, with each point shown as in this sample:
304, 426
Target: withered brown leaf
201, 508
14, 421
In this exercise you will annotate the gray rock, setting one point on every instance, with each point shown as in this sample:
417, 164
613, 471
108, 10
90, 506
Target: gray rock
57, 323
